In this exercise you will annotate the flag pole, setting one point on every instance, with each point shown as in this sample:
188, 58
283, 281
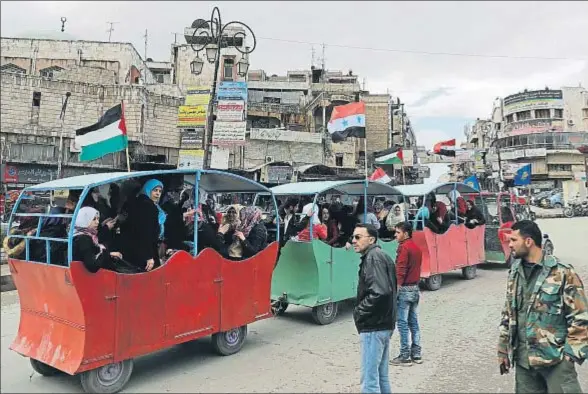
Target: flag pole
403, 175
122, 103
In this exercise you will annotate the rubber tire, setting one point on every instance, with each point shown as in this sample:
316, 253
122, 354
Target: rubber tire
469, 272
548, 247
90, 380
568, 212
223, 347
557, 205
434, 282
43, 369
321, 316
280, 309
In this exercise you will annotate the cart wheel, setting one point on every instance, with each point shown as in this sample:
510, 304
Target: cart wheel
433, 282
325, 314
107, 379
469, 272
548, 248
229, 342
43, 369
279, 307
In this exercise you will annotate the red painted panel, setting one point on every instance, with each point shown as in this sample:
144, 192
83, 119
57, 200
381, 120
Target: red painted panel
475, 244
426, 243
193, 295
246, 288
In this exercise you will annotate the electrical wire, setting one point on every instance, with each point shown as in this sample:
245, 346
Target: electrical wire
423, 52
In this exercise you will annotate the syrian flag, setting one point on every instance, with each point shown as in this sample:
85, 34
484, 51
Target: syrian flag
347, 121
380, 176
389, 156
107, 136
445, 148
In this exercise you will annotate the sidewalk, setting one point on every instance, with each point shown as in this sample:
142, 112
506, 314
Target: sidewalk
543, 213
6, 283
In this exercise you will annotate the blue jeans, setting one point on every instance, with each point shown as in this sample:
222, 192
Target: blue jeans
407, 321
375, 355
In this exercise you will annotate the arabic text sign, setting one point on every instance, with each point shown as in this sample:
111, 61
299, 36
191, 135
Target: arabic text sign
232, 91
191, 115
229, 133
197, 95
191, 159
230, 111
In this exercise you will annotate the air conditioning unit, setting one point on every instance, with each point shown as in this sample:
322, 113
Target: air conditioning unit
269, 159
570, 122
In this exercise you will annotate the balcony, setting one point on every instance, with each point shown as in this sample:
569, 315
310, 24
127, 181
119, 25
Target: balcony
274, 108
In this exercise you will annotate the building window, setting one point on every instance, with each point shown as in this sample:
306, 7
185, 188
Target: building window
339, 160
559, 167
585, 113
509, 118
523, 115
228, 65
542, 114
558, 113
159, 78
36, 99
50, 72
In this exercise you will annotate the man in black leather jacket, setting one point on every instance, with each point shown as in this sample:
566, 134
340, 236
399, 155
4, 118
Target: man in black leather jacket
375, 312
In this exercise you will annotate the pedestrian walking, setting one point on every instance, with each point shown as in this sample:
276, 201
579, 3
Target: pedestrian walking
375, 312
408, 276
544, 323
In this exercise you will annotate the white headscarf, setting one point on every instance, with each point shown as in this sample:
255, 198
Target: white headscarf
311, 207
453, 195
85, 217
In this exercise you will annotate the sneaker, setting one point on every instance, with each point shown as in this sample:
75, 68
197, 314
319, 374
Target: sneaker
401, 361
417, 360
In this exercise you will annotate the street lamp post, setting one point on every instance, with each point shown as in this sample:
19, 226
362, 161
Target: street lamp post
211, 34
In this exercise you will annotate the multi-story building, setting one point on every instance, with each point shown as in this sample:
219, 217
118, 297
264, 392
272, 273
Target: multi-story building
543, 128
36, 75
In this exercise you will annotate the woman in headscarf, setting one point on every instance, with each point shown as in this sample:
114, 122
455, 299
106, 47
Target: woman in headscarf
86, 247
370, 218
144, 227
474, 216
395, 216
231, 218
457, 200
15, 248
319, 230
330, 218
424, 213
250, 235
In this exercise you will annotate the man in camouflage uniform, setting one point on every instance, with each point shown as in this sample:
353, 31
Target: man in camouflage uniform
544, 325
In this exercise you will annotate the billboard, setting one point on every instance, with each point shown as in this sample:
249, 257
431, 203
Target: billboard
191, 159
232, 91
230, 111
535, 99
229, 133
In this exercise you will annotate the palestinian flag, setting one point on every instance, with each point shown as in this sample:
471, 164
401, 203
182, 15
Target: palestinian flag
347, 121
107, 136
380, 176
389, 156
445, 148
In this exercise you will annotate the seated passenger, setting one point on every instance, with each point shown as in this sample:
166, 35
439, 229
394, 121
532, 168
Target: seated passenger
422, 216
231, 219
15, 248
474, 216
329, 219
174, 227
395, 216
144, 227
86, 247
370, 218
250, 236
319, 230
457, 201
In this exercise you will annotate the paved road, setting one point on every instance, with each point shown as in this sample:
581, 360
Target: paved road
291, 354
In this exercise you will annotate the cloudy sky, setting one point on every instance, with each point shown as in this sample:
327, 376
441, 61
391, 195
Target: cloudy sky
517, 45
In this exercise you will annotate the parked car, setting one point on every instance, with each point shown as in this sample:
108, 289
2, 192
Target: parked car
543, 199
556, 201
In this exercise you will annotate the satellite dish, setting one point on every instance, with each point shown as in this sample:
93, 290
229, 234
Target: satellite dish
197, 24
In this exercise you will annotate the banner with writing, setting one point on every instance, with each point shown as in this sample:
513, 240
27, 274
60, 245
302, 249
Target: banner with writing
232, 91
191, 115
191, 159
197, 95
229, 133
230, 111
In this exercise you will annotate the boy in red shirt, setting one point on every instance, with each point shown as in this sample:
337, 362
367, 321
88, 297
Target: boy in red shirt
408, 274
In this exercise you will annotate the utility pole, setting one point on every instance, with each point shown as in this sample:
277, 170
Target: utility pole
110, 30
146, 37
175, 38
62, 117
323, 92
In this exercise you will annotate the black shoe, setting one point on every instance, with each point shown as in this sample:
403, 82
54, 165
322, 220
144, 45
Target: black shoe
401, 361
417, 360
